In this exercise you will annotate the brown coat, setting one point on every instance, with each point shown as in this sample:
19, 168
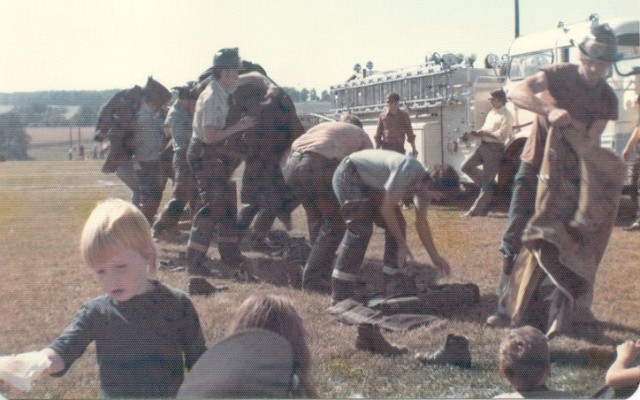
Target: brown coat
577, 203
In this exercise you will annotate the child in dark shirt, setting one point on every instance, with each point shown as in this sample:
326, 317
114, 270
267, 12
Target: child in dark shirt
145, 332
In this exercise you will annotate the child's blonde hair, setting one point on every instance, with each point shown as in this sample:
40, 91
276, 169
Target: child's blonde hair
524, 357
115, 224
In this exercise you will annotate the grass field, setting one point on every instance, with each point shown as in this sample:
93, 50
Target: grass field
43, 205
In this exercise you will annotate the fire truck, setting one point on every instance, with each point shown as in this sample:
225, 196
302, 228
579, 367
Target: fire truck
447, 96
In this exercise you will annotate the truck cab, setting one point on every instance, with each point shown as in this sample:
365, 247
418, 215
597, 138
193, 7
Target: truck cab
528, 53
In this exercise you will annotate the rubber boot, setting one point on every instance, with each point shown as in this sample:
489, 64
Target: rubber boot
455, 351
199, 286
370, 339
341, 290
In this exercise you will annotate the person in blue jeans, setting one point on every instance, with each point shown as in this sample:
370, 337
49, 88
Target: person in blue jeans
560, 95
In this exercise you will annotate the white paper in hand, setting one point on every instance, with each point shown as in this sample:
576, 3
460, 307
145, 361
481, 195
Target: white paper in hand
21, 369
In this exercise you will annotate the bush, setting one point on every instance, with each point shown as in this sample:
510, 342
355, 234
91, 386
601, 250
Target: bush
14, 141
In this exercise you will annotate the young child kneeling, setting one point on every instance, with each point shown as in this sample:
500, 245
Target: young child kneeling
526, 363
145, 332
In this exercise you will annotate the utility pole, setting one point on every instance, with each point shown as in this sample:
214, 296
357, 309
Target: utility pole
517, 17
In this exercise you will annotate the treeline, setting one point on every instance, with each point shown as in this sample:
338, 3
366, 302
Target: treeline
49, 108
94, 98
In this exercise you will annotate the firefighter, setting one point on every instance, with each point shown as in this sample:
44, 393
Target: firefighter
369, 185
212, 169
308, 172
150, 140
561, 95
185, 191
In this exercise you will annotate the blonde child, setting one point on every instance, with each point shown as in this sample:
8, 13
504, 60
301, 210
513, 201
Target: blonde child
145, 332
526, 363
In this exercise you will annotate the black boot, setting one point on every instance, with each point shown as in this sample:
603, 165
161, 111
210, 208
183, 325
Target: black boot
370, 339
341, 290
455, 351
199, 286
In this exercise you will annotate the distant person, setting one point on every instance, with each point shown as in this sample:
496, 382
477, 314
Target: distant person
369, 184
309, 172
265, 356
525, 362
70, 152
146, 333
393, 126
494, 135
185, 188
81, 153
632, 143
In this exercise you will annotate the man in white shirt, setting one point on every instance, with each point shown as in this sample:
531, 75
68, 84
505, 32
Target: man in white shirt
494, 136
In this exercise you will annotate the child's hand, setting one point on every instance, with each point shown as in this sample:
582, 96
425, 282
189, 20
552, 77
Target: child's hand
628, 351
21, 369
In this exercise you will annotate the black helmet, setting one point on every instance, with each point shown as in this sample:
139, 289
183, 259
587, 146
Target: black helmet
601, 44
227, 59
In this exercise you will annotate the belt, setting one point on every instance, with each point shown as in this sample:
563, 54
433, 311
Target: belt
301, 154
494, 143
218, 149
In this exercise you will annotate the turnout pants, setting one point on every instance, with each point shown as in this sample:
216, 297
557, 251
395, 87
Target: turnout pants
150, 185
185, 191
212, 171
264, 195
360, 211
309, 176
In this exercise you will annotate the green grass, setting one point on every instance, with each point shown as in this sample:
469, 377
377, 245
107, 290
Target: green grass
43, 205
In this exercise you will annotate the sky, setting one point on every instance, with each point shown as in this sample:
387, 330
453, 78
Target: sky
116, 44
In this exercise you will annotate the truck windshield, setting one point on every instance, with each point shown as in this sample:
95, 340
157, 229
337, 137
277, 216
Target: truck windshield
524, 65
629, 47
